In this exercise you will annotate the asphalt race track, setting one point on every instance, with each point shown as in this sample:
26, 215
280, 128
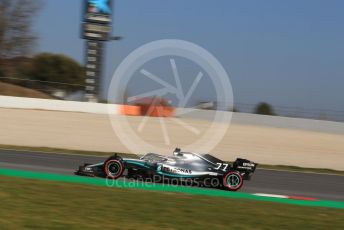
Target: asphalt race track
320, 186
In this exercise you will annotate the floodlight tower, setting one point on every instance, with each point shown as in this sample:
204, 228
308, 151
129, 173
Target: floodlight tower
96, 30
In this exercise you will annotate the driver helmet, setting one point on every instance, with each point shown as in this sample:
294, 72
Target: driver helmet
177, 152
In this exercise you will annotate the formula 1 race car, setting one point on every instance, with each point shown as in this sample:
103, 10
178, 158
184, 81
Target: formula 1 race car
200, 169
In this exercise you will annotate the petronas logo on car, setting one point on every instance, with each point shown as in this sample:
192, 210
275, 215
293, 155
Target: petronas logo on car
176, 170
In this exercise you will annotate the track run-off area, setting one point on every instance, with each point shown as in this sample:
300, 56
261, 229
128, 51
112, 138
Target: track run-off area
310, 189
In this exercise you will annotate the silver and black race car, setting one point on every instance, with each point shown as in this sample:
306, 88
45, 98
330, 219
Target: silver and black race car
199, 169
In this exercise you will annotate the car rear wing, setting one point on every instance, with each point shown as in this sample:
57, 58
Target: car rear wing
245, 167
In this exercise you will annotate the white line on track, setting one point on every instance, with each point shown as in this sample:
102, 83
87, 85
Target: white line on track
270, 195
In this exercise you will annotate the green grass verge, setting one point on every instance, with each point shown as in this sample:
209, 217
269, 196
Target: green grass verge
129, 155
161, 187
33, 204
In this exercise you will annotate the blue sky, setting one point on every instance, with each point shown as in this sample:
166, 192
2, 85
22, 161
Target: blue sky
288, 53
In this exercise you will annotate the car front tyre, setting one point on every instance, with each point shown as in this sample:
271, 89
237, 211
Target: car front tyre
113, 168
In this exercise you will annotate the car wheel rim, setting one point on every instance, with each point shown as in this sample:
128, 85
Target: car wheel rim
233, 180
114, 168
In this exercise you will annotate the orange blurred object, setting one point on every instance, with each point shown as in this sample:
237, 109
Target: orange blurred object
148, 106
130, 110
147, 110
160, 111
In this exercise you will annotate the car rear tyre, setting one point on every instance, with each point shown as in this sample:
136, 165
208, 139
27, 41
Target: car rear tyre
232, 181
113, 168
